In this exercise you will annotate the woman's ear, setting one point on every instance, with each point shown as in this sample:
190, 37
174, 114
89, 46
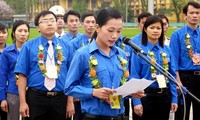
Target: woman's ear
97, 28
145, 30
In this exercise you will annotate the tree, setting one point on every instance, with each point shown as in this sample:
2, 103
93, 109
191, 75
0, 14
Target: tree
80, 6
120, 5
178, 6
144, 5
5, 10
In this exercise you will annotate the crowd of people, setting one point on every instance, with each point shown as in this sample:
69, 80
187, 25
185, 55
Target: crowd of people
72, 76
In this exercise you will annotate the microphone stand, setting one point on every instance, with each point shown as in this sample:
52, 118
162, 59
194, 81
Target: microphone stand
165, 73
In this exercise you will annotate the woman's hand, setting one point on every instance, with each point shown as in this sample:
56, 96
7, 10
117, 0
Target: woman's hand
138, 109
102, 93
138, 95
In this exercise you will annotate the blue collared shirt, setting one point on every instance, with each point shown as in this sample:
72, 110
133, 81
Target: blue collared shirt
141, 69
68, 36
109, 72
28, 62
7, 66
80, 41
177, 44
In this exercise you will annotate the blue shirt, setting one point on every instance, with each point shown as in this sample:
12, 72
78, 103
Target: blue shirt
68, 36
126, 48
28, 62
80, 41
109, 72
137, 39
1, 53
7, 66
177, 44
141, 69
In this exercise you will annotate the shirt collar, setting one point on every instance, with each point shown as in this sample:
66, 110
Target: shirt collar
94, 47
151, 46
44, 40
192, 31
12, 47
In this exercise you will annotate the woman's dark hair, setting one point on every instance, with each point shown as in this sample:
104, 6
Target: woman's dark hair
151, 20
192, 3
43, 13
104, 15
15, 26
3, 27
163, 17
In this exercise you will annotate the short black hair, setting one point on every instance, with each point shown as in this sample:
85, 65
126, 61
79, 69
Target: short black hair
142, 15
151, 20
43, 13
3, 27
71, 12
84, 15
192, 3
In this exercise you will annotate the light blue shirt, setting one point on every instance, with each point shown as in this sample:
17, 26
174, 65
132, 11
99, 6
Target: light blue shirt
68, 36
28, 62
177, 44
141, 69
109, 72
7, 66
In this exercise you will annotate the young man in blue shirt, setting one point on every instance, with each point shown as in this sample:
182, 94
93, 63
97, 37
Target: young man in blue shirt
88, 22
43, 73
71, 19
185, 45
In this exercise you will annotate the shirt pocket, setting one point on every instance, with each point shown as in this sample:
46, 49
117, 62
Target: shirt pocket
34, 61
103, 75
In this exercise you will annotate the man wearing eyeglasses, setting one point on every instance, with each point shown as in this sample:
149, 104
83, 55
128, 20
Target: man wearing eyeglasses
42, 66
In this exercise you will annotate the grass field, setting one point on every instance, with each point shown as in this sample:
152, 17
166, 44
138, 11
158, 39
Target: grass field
128, 32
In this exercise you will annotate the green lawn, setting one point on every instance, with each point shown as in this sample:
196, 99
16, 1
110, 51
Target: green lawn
128, 32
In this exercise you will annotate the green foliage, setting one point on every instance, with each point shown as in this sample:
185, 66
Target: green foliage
80, 6
120, 5
144, 5
177, 6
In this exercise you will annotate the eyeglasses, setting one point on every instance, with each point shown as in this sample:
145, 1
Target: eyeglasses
47, 21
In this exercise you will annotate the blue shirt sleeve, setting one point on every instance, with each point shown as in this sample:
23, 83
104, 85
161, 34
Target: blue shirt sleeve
174, 45
3, 76
76, 71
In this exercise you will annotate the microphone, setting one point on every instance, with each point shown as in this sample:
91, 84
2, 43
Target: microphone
136, 48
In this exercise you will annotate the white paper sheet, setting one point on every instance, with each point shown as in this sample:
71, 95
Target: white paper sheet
133, 86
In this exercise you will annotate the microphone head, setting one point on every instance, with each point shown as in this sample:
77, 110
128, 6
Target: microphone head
125, 40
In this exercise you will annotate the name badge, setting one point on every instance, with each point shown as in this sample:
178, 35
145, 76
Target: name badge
161, 81
51, 71
114, 102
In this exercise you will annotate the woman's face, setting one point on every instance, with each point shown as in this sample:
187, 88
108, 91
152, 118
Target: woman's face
154, 31
108, 34
21, 34
165, 25
3, 36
